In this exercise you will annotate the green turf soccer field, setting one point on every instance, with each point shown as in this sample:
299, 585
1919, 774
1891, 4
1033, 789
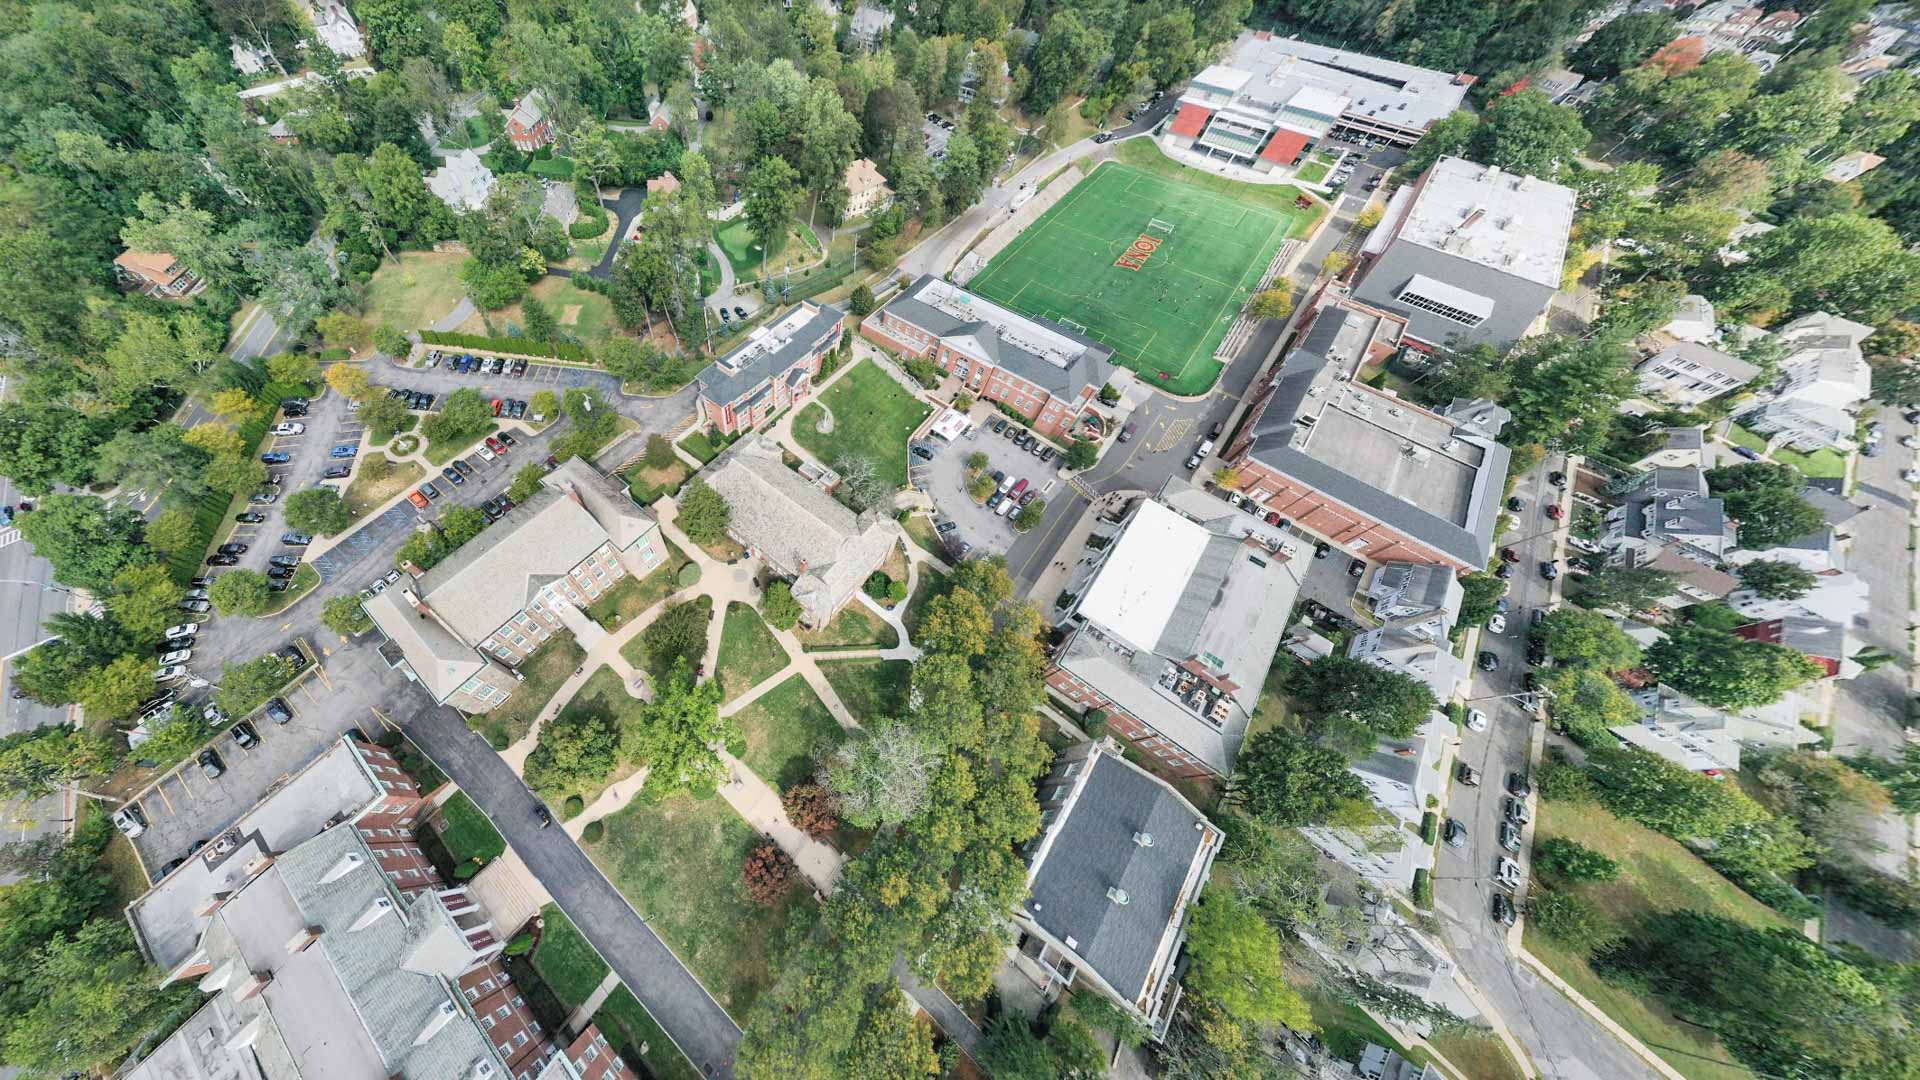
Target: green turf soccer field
1170, 314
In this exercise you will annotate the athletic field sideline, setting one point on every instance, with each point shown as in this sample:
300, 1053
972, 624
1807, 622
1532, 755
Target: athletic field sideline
1191, 257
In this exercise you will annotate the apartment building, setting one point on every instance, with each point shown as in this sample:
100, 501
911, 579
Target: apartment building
1468, 254
771, 371
157, 274
867, 190
460, 628
1378, 476
1688, 374
1668, 510
1824, 380
1044, 371
1415, 606
1120, 860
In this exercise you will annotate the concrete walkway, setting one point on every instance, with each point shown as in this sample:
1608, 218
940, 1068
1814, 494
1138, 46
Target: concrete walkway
582, 1016
758, 804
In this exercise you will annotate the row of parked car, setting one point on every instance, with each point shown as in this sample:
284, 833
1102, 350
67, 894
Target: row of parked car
468, 364
1022, 438
1506, 872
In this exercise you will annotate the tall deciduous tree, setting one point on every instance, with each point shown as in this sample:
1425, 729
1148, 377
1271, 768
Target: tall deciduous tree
1727, 671
1285, 781
678, 732
87, 541
1236, 963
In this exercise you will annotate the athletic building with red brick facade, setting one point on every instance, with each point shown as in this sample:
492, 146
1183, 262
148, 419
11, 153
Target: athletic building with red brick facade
774, 369
1044, 371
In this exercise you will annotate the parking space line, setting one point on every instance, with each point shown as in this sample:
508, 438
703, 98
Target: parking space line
158, 790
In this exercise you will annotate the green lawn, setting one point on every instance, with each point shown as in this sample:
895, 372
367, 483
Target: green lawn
1825, 464
785, 728
469, 836
549, 666
872, 417
647, 484
800, 248
929, 583
1142, 154
678, 861
571, 967
870, 689
1164, 317
920, 531
364, 494
749, 654
439, 453
1656, 874
627, 1024
418, 291
854, 628
633, 596
1313, 171
705, 445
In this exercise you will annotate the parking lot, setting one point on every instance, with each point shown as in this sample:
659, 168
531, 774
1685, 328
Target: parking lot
327, 423
935, 131
945, 479
184, 807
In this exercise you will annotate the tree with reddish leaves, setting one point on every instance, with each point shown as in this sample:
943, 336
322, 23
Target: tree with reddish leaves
768, 873
813, 810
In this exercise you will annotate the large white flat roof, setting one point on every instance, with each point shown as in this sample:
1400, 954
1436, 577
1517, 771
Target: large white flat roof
1513, 223
1138, 587
1274, 69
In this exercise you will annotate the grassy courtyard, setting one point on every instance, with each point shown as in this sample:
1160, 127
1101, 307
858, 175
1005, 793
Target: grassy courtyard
870, 689
632, 596
467, 834
785, 728
376, 480
570, 965
1656, 874
799, 248
749, 653
549, 666
872, 417
1821, 464
1165, 315
416, 292
854, 627
678, 861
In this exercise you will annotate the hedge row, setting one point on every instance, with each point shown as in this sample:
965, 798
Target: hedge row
559, 350
1422, 888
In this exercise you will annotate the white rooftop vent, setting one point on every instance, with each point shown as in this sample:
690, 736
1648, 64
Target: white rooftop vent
375, 911
1118, 895
1144, 839
442, 1016
342, 868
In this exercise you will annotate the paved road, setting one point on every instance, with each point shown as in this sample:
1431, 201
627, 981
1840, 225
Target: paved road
1562, 1040
697, 1023
27, 590
1870, 711
625, 209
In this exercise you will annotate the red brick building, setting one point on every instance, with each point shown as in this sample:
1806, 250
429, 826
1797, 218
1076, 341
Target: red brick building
528, 126
1049, 374
772, 371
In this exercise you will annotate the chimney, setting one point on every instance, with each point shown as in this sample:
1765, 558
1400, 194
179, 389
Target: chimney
341, 869
573, 493
255, 983
419, 605
300, 942
1144, 839
1118, 895
442, 1016
375, 911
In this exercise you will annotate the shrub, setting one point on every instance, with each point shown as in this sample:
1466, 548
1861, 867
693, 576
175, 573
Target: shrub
1563, 781
878, 585
558, 350
572, 808
677, 636
1559, 857
861, 302
659, 452
1422, 888
344, 615
591, 222
768, 873
925, 371
1081, 455
813, 810
897, 592
498, 740
1572, 920
317, 510
593, 832
689, 575
1094, 722
1429, 827
778, 606
520, 945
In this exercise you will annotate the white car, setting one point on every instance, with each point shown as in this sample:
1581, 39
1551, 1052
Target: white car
170, 673
289, 427
177, 656
1508, 874
1476, 720
1911, 442
1911, 476
485, 454
185, 629
1497, 624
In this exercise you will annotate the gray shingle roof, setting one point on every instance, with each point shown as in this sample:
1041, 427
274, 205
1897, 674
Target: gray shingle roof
1091, 367
491, 578
1092, 849
725, 386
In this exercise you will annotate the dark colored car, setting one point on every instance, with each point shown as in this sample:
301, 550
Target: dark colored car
541, 815
1504, 571
1507, 554
1126, 433
997, 425
453, 475
519, 369
280, 573
1356, 568
1519, 785
1489, 662
1502, 909
739, 312
251, 518
276, 457
507, 439
285, 560
277, 711
280, 584
296, 539
429, 491
1549, 571
1557, 479
173, 645
1516, 504
519, 409
210, 764
266, 496
461, 464
1464, 773
337, 472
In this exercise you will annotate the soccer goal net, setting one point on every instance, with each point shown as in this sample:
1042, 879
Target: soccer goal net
1158, 225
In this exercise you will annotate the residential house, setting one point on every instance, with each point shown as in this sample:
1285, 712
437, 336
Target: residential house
1273, 96
1680, 448
1668, 510
1693, 320
805, 535
157, 274
1687, 375
1416, 605
1173, 627
352, 784
1468, 254
769, 372
1560, 85
1823, 382
1041, 369
1734, 251
1378, 476
461, 627
1400, 776
333, 25
282, 133
528, 126
664, 184
869, 24
248, 58
1705, 739
1380, 1063
1838, 596
1828, 644
1851, 166
867, 190
464, 182
1118, 865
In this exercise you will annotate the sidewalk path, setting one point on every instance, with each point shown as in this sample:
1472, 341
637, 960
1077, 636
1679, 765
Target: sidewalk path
583, 1015
758, 804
